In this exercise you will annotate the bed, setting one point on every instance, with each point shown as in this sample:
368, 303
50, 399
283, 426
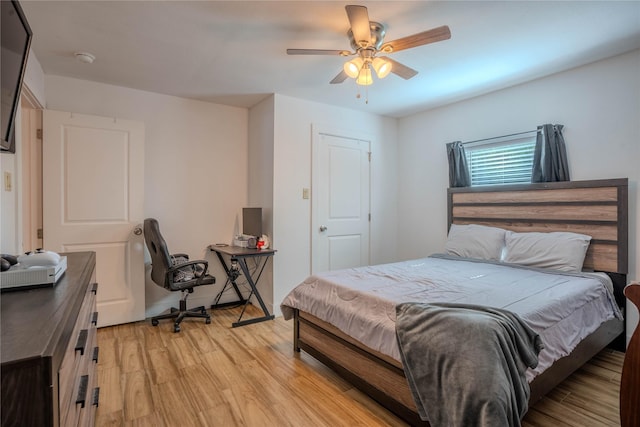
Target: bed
596, 208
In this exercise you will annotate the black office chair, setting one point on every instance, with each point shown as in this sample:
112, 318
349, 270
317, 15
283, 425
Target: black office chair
175, 273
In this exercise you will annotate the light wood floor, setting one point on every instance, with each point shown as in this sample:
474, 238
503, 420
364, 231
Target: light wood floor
215, 375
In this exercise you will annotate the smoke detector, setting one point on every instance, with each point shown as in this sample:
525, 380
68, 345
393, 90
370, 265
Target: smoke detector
85, 57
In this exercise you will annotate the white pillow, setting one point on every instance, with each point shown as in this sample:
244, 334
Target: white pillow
562, 251
475, 241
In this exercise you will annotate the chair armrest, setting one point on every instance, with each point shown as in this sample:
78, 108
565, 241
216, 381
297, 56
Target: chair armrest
180, 256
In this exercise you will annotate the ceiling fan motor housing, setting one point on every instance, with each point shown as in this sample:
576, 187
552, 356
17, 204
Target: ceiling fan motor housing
377, 37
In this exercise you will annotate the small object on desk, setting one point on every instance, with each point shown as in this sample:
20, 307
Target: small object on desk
236, 267
240, 241
221, 245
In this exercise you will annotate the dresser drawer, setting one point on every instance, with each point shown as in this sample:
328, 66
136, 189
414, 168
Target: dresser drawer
76, 376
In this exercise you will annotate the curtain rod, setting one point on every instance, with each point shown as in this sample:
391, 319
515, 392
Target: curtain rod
498, 137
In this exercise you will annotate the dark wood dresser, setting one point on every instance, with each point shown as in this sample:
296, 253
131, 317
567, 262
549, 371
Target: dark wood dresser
49, 350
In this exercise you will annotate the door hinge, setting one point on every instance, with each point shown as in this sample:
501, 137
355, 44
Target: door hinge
369, 217
39, 133
39, 233
369, 153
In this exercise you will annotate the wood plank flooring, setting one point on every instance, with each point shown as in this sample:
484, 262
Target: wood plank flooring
215, 375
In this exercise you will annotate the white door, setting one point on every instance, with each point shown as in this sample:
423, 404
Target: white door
340, 201
93, 195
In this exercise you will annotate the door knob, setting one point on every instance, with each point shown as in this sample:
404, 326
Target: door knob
323, 228
137, 231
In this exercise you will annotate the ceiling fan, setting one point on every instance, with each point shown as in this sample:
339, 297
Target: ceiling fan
367, 41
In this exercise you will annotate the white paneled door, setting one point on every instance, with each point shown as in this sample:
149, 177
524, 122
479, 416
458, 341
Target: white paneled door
340, 201
93, 200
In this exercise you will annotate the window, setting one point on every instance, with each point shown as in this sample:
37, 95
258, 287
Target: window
507, 160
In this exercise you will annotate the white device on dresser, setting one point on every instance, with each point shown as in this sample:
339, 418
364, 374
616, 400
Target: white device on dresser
34, 269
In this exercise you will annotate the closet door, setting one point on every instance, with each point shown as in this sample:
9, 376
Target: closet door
340, 203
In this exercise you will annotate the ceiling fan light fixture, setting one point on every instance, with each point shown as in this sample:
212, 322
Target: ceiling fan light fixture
353, 67
382, 67
365, 78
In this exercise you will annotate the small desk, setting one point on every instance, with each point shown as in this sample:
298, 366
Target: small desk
238, 265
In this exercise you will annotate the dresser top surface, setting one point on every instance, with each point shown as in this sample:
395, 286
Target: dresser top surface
33, 321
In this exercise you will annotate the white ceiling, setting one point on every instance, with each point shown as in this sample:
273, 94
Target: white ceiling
233, 52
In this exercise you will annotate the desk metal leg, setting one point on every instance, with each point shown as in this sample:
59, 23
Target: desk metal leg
254, 291
231, 280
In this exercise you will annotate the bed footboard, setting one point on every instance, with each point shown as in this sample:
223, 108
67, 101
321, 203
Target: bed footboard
382, 378
374, 373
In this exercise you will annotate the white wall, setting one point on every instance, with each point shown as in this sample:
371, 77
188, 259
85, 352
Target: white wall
195, 167
260, 191
34, 78
292, 172
599, 104
10, 201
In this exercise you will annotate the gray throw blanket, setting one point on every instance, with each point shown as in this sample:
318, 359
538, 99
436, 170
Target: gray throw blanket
466, 364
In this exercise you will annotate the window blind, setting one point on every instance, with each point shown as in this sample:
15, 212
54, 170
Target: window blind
504, 162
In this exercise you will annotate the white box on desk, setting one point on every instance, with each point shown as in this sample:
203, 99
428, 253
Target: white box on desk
241, 241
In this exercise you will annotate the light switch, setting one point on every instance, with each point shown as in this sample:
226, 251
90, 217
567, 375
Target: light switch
305, 193
7, 181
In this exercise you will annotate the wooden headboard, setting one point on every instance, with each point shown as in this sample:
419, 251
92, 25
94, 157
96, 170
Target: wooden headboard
597, 208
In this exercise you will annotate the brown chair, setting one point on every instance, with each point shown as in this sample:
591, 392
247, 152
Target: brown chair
175, 273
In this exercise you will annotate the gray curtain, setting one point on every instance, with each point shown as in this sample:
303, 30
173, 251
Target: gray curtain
458, 169
550, 155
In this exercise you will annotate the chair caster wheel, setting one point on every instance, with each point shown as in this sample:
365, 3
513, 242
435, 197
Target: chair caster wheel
207, 321
154, 322
176, 328
204, 311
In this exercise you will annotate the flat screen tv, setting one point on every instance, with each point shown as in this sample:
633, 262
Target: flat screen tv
15, 39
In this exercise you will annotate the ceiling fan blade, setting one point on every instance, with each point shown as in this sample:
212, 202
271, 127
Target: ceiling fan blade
425, 37
359, 21
318, 52
342, 76
400, 69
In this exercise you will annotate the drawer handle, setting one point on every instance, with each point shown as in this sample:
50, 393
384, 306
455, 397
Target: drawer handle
82, 341
82, 390
94, 288
95, 354
94, 318
96, 396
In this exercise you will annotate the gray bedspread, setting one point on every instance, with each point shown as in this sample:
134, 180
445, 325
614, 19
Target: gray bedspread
466, 364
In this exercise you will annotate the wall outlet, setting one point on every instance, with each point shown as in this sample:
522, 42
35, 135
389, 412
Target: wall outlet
305, 193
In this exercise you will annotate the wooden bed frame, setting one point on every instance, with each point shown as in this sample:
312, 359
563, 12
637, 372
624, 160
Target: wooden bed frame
597, 208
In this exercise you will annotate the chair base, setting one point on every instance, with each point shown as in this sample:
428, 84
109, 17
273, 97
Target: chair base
180, 313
